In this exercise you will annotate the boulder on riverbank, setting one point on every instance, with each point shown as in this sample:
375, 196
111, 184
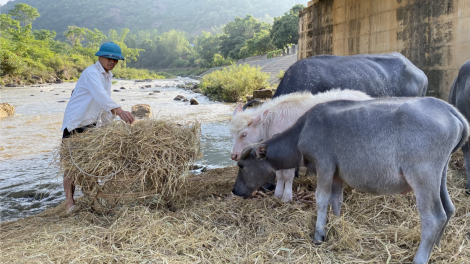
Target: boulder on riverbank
193, 101
265, 93
179, 97
141, 111
6, 110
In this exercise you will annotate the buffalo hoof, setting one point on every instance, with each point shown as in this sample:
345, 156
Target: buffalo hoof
268, 187
319, 237
286, 199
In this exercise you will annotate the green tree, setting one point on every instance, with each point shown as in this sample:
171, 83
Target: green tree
75, 35
113, 35
285, 29
130, 54
94, 38
260, 43
24, 13
44, 34
22, 38
147, 40
236, 34
207, 45
173, 45
7, 24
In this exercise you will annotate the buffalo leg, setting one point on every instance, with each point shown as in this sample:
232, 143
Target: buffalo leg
446, 203
288, 179
466, 158
336, 198
279, 191
431, 211
322, 195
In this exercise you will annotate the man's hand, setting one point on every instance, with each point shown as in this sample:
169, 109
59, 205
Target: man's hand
124, 115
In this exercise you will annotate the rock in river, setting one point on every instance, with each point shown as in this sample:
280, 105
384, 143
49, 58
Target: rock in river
141, 111
179, 97
6, 110
193, 101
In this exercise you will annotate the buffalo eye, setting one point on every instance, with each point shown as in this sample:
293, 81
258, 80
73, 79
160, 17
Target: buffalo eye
244, 135
240, 166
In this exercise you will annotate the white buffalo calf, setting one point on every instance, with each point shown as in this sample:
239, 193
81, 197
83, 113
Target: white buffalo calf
273, 117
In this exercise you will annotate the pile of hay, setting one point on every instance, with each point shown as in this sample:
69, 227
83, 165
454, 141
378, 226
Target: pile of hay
205, 224
122, 164
6, 110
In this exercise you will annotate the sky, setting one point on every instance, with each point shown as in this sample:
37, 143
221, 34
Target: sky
2, 2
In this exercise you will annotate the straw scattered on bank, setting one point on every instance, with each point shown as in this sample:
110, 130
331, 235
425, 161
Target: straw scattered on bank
204, 224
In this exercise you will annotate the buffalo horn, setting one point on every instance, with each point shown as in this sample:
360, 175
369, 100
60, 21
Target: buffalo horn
246, 152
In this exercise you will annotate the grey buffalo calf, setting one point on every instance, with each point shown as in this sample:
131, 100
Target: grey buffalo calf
381, 146
460, 97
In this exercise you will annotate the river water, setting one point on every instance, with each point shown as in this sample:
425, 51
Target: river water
29, 185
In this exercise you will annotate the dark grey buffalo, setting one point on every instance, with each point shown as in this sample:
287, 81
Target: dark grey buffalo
460, 97
381, 146
378, 75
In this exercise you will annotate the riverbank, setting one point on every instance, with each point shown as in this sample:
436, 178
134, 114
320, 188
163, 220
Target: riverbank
204, 224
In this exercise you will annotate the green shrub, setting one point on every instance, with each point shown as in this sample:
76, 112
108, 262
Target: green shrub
180, 63
275, 53
233, 82
218, 61
280, 75
10, 63
165, 75
132, 73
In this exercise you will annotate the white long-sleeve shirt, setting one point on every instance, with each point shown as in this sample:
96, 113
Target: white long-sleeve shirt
91, 99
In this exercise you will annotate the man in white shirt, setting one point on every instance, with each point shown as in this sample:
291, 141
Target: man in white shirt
91, 103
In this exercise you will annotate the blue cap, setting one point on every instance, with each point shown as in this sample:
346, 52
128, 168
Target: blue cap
110, 50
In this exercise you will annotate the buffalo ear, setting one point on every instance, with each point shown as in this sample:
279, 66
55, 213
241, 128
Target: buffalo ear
261, 151
246, 152
238, 109
259, 118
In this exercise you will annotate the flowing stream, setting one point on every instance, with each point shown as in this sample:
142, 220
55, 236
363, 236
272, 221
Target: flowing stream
29, 185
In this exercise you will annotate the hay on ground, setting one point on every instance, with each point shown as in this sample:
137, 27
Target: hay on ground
123, 164
205, 224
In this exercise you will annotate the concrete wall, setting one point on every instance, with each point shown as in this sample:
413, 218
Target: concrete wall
433, 34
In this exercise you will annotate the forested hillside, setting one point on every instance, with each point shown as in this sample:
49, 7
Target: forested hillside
191, 16
29, 54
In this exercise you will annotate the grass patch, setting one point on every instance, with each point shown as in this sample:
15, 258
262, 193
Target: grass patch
184, 72
233, 82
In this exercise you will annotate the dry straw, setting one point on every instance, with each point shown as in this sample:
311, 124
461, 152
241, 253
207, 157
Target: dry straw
121, 164
204, 224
